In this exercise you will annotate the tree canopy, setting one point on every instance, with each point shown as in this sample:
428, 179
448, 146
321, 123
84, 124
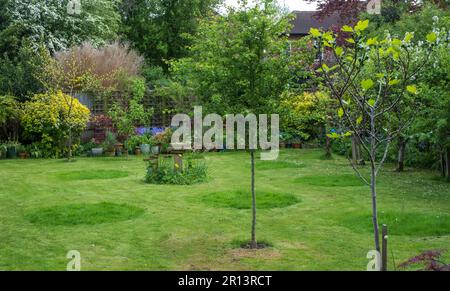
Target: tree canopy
161, 29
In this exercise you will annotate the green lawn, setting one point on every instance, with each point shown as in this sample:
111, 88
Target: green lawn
315, 215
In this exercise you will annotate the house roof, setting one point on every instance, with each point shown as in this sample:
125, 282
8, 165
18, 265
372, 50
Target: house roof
305, 20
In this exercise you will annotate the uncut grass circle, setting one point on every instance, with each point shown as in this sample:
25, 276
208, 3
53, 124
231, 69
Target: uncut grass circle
347, 180
92, 175
243, 199
84, 214
412, 224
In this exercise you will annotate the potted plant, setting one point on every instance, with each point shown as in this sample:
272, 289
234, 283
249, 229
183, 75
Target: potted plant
284, 138
119, 149
297, 143
96, 149
11, 152
155, 149
22, 152
287, 137
137, 151
3, 151
163, 139
109, 144
145, 148
34, 151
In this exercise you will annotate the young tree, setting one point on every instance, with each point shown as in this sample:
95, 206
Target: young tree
371, 79
69, 76
239, 64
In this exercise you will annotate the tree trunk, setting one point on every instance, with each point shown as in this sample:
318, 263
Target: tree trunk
447, 163
376, 228
442, 157
401, 154
356, 151
327, 147
254, 244
69, 152
373, 179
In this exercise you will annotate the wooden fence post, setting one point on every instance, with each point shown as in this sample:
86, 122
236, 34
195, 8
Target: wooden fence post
384, 248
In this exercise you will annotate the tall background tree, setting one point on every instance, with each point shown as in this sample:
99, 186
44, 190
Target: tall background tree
29, 27
161, 29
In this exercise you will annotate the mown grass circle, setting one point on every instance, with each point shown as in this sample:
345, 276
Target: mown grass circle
346, 180
88, 214
243, 199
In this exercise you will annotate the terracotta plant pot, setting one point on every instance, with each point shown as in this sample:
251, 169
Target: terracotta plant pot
23, 156
297, 145
110, 153
137, 151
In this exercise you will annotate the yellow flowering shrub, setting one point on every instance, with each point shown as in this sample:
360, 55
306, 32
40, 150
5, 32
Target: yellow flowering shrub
49, 118
306, 114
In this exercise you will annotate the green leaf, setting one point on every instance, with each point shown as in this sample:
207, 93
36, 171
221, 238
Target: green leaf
340, 112
395, 55
394, 82
315, 32
347, 28
350, 40
412, 89
372, 41
367, 84
339, 51
380, 76
334, 67
333, 135
326, 43
359, 120
371, 102
362, 25
408, 37
397, 42
328, 36
348, 133
432, 37
325, 67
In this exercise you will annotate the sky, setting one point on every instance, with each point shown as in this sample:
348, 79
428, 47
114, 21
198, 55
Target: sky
291, 4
